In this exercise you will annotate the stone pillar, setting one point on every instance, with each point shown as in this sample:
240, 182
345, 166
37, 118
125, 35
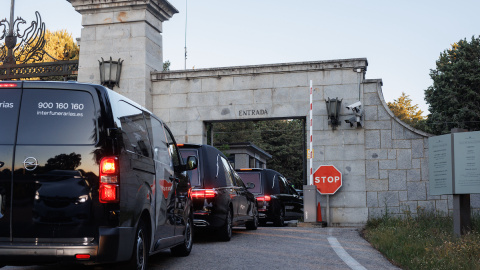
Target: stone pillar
126, 29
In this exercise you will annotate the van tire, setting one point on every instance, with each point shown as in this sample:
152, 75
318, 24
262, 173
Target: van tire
225, 233
185, 248
139, 259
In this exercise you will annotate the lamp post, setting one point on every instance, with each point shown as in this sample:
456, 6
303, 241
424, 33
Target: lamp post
10, 39
31, 43
110, 72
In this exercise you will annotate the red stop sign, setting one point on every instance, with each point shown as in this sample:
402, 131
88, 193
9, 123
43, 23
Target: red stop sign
327, 179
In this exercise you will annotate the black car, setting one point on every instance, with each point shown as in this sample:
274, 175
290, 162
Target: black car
221, 200
88, 176
277, 199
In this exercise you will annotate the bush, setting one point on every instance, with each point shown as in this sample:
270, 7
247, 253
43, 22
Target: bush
425, 241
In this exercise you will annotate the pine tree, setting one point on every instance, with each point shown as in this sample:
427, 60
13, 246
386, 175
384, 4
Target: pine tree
454, 97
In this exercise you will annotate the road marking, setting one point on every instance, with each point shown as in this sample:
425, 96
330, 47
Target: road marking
351, 262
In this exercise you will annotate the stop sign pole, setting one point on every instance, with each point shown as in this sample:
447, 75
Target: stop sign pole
328, 180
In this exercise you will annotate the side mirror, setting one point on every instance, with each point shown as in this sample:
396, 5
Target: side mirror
192, 163
250, 185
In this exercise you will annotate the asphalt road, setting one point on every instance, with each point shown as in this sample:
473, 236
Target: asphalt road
270, 248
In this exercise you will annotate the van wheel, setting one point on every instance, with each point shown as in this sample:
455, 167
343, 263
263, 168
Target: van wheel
253, 225
226, 230
185, 248
139, 258
280, 219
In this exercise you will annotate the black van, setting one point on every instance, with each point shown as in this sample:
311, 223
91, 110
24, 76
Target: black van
88, 176
221, 200
277, 200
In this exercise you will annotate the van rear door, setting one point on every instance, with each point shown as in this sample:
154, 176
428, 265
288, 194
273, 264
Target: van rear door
55, 167
9, 109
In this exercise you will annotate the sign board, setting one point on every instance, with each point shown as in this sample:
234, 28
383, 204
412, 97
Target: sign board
310, 153
440, 171
327, 179
454, 163
466, 157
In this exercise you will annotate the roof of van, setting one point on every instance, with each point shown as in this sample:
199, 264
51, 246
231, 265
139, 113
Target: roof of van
212, 170
78, 86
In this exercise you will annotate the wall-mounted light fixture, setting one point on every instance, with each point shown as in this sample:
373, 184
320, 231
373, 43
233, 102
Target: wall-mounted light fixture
333, 111
110, 72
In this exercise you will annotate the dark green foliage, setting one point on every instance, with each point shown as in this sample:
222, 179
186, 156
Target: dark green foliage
283, 139
454, 97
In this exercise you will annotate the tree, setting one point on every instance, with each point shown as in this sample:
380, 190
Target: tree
283, 139
454, 97
166, 65
61, 46
64, 162
405, 111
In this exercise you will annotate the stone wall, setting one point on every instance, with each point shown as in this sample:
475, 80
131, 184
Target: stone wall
396, 161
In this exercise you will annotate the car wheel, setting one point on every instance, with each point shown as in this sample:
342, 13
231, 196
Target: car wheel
280, 219
139, 258
185, 248
226, 230
253, 225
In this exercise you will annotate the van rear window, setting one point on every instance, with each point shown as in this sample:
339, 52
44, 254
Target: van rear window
252, 177
9, 105
57, 117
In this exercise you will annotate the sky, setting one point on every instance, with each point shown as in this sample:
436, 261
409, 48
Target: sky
400, 39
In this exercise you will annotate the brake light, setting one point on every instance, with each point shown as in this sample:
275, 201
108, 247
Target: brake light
265, 198
204, 193
8, 85
180, 144
82, 256
246, 170
109, 185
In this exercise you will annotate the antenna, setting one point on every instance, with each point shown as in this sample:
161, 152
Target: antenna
185, 66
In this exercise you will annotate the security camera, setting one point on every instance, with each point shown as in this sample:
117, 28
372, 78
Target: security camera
355, 106
352, 120
356, 118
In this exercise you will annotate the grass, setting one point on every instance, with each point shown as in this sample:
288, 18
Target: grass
425, 241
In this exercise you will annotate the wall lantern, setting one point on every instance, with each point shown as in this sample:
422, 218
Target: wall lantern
333, 111
110, 72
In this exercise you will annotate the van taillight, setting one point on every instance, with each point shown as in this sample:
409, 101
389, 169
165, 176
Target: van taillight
203, 193
82, 256
265, 198
8, 85
109, 186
